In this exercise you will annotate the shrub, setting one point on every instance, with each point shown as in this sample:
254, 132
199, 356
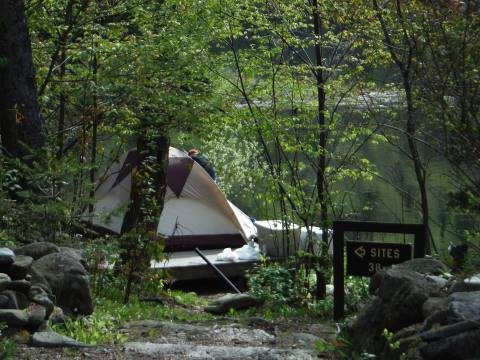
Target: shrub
277, 283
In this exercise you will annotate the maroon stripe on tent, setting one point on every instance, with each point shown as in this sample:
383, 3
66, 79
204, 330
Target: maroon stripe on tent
177, 174
130, 162
203, 242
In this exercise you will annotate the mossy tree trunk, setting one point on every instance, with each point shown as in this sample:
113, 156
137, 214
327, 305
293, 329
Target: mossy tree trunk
20, 121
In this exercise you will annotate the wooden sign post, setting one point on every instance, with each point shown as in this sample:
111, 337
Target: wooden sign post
366, 258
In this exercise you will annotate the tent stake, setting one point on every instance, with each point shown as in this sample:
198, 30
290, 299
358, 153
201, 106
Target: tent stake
217, 270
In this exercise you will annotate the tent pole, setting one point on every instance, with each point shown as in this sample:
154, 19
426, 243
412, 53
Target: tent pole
217, 270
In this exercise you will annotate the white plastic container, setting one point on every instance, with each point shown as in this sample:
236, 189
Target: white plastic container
278, 239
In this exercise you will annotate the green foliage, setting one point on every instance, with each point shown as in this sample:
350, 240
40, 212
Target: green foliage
276, 283
357, 292
242, 78
96, 329
392, 344
102, 326
8, 347
186, 299
342, 348
32, 205
142, 310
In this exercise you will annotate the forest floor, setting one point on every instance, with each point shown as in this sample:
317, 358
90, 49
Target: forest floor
235, 336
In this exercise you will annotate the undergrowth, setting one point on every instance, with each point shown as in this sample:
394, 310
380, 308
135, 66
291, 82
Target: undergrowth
7, 346
101, 327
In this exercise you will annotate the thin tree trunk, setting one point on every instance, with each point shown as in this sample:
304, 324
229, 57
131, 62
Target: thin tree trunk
93, 153
63, 67
404, 64
62, 107
322, 144
141, 219
420, 172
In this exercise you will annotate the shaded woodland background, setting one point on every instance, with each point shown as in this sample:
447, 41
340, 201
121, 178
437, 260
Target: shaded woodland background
311, 110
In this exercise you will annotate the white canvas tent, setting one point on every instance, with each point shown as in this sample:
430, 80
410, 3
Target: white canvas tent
196, 213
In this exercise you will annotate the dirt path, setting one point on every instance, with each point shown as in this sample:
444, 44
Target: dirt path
253, 338
219, 338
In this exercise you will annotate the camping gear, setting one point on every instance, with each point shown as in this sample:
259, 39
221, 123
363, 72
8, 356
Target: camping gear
196, 213
217, 271
251, 251
278, 239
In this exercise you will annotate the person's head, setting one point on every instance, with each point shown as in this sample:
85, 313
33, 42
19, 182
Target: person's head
193, 152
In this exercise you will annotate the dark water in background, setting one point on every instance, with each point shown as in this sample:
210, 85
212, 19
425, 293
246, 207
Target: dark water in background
394, 195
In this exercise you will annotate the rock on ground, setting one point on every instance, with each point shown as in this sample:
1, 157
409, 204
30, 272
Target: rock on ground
5, 281
400, 295
221, 338
469, 284
52, 339
426, 266
75, 253
14, 318
37, 250
7, 256
67, 279
232, 301
200, 334
184, 351
464, 345
20, 267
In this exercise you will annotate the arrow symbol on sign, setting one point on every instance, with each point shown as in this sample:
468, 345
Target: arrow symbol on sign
360, 251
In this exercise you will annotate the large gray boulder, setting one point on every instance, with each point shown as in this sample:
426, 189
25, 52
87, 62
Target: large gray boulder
427, 266
75, 253
457, 341
3, 301
39, 296
14, 318
65, 278
37, 250
455, 308
464, 345
16, 300
5, 281
22, 286
20, 267
398, 302
469, 284
7, 256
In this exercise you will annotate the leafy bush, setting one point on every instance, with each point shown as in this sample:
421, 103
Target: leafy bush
356, 289
277, 283
36, 202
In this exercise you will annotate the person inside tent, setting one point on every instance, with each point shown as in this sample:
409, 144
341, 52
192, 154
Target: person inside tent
203, 161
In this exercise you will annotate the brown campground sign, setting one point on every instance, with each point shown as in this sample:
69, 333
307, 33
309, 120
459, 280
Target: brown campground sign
366, 258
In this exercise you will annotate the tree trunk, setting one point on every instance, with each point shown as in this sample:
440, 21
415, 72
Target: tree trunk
322, 143
141, 220
419, 168
404, 63
20, 121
